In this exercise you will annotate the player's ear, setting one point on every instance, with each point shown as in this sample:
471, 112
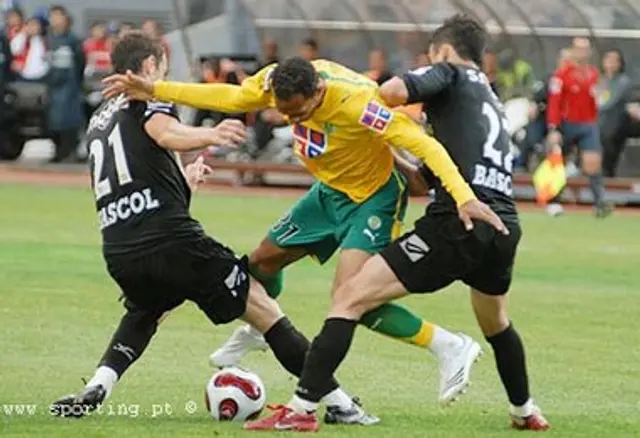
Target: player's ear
149, 65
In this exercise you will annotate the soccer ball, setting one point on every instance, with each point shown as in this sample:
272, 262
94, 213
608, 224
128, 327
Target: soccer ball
234, 394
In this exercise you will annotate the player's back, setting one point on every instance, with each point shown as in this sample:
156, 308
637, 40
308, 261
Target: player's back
468, 119
142, 196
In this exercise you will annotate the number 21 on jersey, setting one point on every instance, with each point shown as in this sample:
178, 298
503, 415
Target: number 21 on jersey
102, 186
497, 175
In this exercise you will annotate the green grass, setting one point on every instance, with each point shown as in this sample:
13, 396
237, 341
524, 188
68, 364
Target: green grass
575, 301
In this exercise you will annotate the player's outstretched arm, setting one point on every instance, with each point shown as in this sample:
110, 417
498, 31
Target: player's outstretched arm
170, 134
252, 95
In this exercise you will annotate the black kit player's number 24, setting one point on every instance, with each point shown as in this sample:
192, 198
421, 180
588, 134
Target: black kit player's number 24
498, 175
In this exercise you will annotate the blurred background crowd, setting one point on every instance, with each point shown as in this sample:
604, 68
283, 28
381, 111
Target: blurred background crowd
54, 56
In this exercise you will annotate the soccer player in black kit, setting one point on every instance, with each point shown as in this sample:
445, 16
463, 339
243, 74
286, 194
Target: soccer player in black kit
155, 251
468, 120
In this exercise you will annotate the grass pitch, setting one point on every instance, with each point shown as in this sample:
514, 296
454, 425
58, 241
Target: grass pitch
575, 301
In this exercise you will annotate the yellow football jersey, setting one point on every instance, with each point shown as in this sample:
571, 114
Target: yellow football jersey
345, 142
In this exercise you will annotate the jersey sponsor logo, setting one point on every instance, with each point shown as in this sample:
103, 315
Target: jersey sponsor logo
415, 248
309, 143
376, 117
127, 206
492, 178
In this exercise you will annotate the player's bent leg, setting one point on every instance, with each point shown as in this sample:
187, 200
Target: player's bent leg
129, 341
265, 265
493, 319
290, 348
374, 285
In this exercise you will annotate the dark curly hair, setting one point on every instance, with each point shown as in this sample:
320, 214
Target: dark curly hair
131, 51
294, 76
466, 36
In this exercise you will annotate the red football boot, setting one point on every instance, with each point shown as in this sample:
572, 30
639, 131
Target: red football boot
285, 419
535, 421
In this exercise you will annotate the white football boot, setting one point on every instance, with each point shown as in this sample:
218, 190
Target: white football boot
243, 341
455, 369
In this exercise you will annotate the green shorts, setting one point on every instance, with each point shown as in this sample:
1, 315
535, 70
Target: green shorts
324, 220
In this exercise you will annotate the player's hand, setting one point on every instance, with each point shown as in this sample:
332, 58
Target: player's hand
475, 209
229, 132
196, 172
134, 86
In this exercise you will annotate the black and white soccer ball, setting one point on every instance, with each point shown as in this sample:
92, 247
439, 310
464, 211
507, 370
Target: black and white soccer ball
234, 394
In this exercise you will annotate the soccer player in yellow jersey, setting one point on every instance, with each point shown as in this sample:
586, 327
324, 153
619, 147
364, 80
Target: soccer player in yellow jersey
342, 135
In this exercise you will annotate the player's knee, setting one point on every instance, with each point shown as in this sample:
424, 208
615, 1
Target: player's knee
262, 311
353, 299
491, 312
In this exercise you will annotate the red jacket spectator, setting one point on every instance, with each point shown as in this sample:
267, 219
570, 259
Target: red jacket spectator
98, 54
572, 95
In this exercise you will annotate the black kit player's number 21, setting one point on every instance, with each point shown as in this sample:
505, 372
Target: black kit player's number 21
97, 149
127, 205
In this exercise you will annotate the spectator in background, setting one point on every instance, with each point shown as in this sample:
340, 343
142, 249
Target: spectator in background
97, 50
5, 75
124, 28
490, 69
572, 117
378, 69
14, 25
309, 49
514, 76
421, 59
613, 96
269, 53
65, 78
153, 29
30, 46
13, 22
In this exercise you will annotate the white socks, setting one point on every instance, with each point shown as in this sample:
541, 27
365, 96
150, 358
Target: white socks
523, 411
302, 406
443, 342
104, 376
338, 397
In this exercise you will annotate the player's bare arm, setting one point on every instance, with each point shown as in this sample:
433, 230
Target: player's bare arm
416, 183
171, 134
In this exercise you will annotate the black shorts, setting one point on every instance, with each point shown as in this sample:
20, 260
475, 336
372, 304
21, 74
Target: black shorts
440, 251
202, 271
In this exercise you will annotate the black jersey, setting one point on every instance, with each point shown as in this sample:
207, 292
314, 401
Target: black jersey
469, 121
142, 196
